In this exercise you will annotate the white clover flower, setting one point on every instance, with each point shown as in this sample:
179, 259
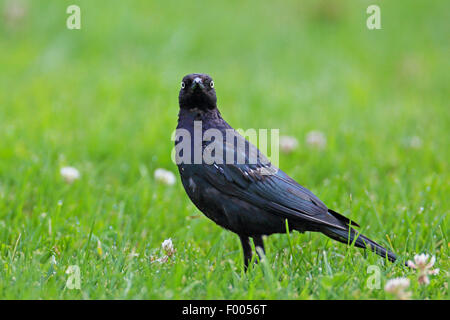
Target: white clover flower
164, 176
288, 144
397, 287
415, 142
14, 12
168, 248
163, 259
316, 139
424, 266
70, 174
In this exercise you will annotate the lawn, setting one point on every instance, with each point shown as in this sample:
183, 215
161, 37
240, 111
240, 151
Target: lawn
104, 99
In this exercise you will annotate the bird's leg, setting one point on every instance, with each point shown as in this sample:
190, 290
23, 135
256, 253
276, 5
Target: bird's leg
259, 246
245, 241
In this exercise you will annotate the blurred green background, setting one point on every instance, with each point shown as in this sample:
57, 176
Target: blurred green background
104, 99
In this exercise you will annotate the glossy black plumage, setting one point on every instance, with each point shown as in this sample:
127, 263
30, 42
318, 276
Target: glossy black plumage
239, 196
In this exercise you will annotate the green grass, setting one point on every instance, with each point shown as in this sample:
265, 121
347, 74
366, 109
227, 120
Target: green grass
104, 99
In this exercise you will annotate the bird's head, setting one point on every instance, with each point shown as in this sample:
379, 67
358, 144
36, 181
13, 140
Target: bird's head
197, 91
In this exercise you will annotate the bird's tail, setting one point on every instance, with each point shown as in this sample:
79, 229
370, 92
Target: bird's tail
349, 235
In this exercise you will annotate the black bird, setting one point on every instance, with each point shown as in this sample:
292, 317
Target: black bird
251, 198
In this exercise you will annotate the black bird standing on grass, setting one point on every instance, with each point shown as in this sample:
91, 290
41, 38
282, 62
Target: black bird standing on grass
247, 197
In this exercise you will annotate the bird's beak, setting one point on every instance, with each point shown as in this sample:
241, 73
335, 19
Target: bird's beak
197, 83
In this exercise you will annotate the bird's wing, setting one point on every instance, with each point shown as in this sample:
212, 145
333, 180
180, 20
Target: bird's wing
276, 192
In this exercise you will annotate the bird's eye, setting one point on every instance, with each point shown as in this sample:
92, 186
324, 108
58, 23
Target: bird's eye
183, 85
211, 84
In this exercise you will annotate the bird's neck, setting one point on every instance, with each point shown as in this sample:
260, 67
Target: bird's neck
209, 117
